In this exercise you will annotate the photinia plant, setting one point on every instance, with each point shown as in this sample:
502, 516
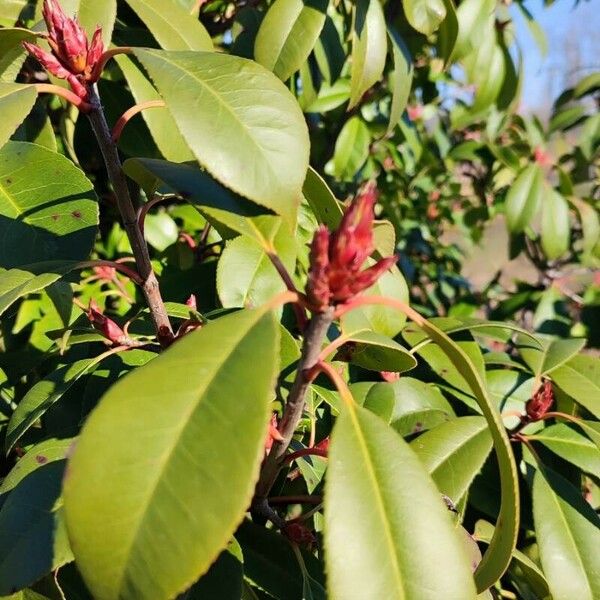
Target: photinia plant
240, 357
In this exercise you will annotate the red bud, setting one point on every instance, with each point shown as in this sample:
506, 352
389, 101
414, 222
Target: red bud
105, 325
299, 534
541, 402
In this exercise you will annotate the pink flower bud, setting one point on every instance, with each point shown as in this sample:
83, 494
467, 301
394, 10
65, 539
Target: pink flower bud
541, 402
335, 261
191, 302
72, 57
105, 272
106, 326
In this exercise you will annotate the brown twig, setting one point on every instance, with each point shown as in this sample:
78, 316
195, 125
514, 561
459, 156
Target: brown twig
128, 214
314, 335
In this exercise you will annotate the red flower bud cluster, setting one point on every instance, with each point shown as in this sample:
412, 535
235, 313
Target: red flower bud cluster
73, 58
106, 326
299, 534
335, 274
540, 403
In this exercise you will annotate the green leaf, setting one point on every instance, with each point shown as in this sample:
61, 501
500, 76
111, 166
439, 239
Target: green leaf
12, 53
448, 33
368, 48
351, 149
329, 97
205, 410
44, 394
258, 146
33, 540
586, 85
92, 13
397, 537
484, 532
424, 15
43, 453
417, 406
566, 118
556, 229
173, 27
376, 352
571, 445
473, 17
580, 379
486, 70
288, 33
590, 221
160, 230
10, 11
524, 198
454, 452
496, 559
380, 319
48, 208
161, 124
553, 354
216, 201
245, 274
401, 77
321, 199
16, 101
568, 536
16, 283
223, 580
269, 561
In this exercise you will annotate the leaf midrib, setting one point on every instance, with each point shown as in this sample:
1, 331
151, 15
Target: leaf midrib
167, 455
379, 502
221, 101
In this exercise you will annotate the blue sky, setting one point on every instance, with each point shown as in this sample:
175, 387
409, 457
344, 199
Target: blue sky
573, 44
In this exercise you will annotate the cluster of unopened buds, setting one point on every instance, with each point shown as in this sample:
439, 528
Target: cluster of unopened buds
335, 275
540, 403
73, 57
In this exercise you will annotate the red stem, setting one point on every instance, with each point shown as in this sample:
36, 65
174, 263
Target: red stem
133, 275
304, 452
117, 130
74, 99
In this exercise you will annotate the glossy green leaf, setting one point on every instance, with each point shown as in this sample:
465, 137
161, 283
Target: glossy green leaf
160, 230
217, 202
566, 118
33, 540
48, 208
484, 532
401, 77
376, 352
368, 48
524, 198
12, 53
417, 406
571, 445
260, 154
92, 13
454, 452
568, 536
44, 394
206, 406
329, 97
473, 17
486, 70
159, 120
321, 199
424, 15
556, 228
587, 85
497, 558
590, 222
553, 354
10, 11
173, 27
288, 33
380, 319
43, 453
16, 283
398, 538
246, 276
351, 148
16, 101
580, 379
448, 33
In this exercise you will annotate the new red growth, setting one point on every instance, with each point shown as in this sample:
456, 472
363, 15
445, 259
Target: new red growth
73, 57
336, 259
540, 403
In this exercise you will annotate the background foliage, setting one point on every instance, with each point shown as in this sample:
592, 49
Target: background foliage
274, 115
